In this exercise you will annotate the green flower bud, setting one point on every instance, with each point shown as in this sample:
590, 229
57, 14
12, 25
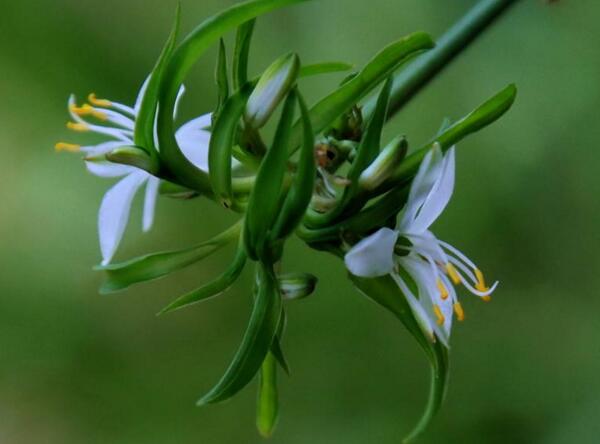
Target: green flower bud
129, 155
384, 164
297, 285
273, 86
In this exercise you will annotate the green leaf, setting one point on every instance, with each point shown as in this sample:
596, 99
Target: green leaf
156, 265
385, 292
241, 52
256, 343
264, 201
221, 79
380, 67
301, 190
183, 58
221, 144
484, 115
315, 69
267, 406
273, 86
213, 288
144, 122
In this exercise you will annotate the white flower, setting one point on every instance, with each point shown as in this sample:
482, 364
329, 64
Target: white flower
433, 265
116, 122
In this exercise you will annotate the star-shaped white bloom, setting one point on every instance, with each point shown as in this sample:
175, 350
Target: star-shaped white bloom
433, 265
116, 122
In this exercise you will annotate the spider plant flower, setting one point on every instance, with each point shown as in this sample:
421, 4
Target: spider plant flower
427, 270
115, 123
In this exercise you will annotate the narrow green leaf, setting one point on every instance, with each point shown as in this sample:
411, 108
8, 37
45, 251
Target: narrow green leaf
213, 288
301, 190
367, 152
183, 58
221, 79
272, 87
264, 201
315, 69
484, 115
267, 406
241, 52
385, 292
380, 67
156, 265
221, 144
276, 348
144, 122
256, 343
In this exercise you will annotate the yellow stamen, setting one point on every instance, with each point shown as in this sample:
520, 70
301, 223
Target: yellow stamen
487, 298
453, 273
443, 290
70, 147
80, 126
480, 282
88, 110
99, 102
460, 313
438, 314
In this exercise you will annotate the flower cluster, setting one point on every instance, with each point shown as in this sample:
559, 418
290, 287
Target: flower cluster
325, 175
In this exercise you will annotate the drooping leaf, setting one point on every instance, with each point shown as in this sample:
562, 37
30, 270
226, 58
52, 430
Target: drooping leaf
385, 292
381, 66
256, 343
241, 52
221, 145
264, 201
267, 405
301, 190
221, 79
315, 69
156, 265
144, 122
213, 288
183, 58
481, 117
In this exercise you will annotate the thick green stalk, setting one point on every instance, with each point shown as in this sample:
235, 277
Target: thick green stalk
412, 79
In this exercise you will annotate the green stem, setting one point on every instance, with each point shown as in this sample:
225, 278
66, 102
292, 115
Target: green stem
409, 81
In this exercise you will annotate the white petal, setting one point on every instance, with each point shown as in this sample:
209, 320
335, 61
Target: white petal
114, 213
140, 96
193, 140
109, 169
150, 202
374, 255
438, 197
419, 312
426, 177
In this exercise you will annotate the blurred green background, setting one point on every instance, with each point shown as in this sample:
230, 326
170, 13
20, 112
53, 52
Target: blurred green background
77, 367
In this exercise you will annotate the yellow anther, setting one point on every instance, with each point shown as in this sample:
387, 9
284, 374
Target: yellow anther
98, 102
487, 298
480, 282
460, 313
438, 314
71, 147
79, 126
88, 110
443, 290
453, 273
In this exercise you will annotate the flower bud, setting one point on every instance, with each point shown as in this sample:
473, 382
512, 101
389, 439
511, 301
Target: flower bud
296, 285
134, 156
274, 84
385, 163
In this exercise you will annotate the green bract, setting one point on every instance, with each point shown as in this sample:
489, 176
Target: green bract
329, 177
